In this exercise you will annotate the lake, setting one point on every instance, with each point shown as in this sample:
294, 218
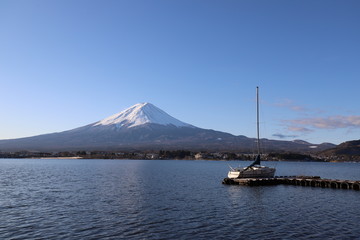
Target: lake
170, 199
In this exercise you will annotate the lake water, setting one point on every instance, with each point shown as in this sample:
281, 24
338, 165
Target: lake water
170, 199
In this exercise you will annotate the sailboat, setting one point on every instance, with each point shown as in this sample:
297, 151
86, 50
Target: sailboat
254, 170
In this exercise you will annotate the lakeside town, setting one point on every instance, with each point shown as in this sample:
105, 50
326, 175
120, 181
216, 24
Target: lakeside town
180, 155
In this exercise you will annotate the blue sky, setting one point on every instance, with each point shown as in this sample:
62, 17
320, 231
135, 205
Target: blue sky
65, 64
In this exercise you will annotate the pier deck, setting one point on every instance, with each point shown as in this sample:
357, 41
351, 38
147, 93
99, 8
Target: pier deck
306, 181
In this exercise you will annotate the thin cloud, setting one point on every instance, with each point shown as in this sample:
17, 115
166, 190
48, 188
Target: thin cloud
332, 122
287, 103
283, 136
305, 124
299, 129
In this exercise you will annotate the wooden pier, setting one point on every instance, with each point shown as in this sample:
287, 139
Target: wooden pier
306, 181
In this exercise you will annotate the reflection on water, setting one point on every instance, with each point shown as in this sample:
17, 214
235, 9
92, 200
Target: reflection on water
130, 199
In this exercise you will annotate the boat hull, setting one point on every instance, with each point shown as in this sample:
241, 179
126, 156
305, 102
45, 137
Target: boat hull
255, 172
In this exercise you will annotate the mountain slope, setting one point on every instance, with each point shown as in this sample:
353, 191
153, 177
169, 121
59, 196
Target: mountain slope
349, 148
145, 127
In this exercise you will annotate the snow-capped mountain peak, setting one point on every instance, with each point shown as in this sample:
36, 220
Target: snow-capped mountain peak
140, 114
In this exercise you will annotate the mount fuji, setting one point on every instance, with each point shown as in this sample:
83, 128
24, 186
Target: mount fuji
143, 127
141, 114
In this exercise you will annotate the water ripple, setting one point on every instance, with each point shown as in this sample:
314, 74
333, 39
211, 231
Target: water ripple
103, 199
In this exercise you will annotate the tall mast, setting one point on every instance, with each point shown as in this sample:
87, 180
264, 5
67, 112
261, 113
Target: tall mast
257, 158
257, 120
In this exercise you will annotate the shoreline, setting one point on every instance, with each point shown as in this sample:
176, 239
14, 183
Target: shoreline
182, 155
55, 158
177, 159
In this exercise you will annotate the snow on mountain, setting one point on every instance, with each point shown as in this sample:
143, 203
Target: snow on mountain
140, 114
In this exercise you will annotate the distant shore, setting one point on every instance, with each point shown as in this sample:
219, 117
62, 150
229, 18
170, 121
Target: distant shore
179, 155
59, 157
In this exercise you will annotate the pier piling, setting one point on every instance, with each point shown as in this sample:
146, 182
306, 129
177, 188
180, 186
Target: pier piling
306, 181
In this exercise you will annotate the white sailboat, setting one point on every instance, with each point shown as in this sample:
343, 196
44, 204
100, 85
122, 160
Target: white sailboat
254, 170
